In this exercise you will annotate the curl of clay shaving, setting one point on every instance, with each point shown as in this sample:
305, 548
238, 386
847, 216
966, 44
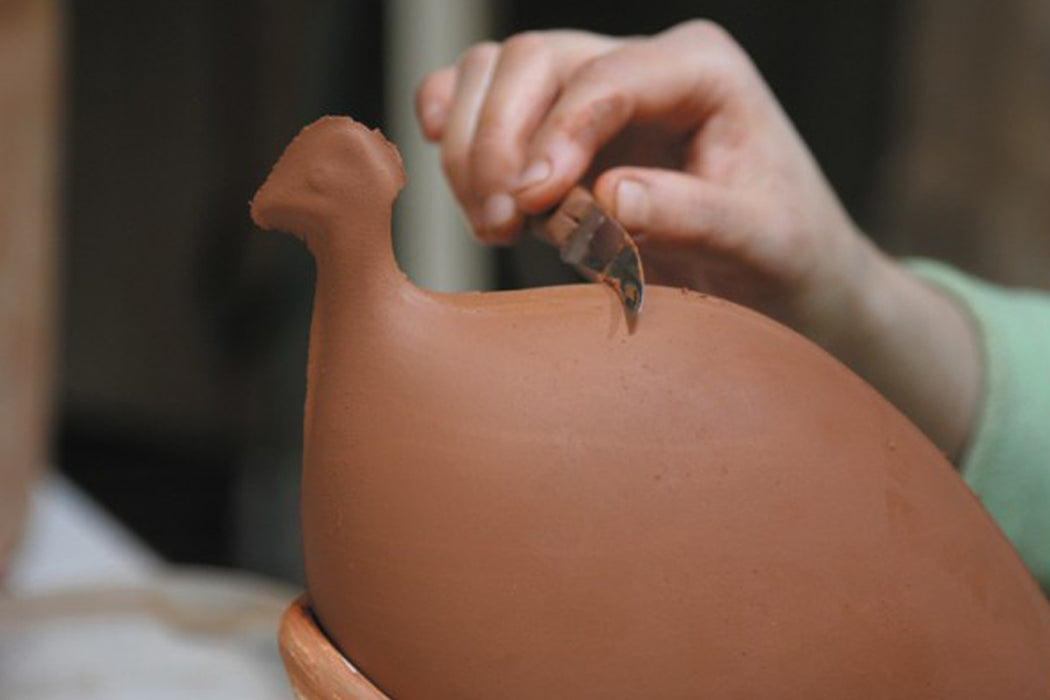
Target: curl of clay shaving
507, 496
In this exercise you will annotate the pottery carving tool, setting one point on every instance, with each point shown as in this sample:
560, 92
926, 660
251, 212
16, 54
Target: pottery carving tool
597, 245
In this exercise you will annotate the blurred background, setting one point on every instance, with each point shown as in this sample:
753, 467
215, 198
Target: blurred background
158, 340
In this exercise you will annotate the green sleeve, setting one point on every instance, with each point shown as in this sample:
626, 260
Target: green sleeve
1008, 460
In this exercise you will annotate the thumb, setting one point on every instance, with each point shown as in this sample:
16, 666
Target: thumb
672, 208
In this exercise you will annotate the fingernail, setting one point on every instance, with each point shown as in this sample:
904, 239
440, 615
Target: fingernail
536, 173
632, 202
499, 210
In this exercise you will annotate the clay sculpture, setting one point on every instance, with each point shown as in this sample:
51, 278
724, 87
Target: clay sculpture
515, 496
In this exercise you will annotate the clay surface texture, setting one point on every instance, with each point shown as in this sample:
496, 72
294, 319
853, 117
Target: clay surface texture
513, 496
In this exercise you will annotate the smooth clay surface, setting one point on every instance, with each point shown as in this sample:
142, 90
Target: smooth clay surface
514, 496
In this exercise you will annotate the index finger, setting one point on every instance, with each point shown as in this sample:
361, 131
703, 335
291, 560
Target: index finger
528, 76
678, 79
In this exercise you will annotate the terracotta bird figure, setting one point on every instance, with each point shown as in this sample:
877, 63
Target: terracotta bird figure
516, 496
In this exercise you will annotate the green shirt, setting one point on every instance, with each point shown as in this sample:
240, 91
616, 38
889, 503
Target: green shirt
1008, 461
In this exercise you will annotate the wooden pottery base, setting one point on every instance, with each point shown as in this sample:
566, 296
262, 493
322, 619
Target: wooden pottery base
315, 667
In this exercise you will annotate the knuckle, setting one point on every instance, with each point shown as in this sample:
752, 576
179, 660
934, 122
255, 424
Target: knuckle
589, 123
712, 46
494, 127
598, 71
527, 44
707, 31
491, 159
479, 54
491, 140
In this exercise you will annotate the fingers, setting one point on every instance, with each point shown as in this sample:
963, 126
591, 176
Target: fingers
676, 79
520, 123
485, 110
532, 70
433, 99
668, 209
473, 74
523, 87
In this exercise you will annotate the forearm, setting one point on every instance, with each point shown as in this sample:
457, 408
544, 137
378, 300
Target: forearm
1007, 461
917, 346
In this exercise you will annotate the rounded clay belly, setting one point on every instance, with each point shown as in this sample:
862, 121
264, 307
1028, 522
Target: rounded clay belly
719, 511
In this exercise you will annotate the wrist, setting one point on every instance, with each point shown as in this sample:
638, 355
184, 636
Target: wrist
854, 301
918, 347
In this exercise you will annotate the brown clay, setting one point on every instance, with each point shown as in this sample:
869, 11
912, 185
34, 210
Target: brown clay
511, 495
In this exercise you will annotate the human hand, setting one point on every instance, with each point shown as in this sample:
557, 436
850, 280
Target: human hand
682, 141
